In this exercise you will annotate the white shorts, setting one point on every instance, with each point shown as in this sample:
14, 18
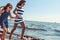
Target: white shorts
19, 20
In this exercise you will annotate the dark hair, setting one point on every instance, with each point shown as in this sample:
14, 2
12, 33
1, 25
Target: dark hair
7, 6
20, 2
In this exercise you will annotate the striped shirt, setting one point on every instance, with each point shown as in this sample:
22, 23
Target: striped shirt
20, 10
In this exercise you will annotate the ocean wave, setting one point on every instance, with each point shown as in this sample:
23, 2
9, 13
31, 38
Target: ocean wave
57, 30
34, 28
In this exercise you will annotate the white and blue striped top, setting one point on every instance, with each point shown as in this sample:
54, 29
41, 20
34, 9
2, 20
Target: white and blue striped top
20, 10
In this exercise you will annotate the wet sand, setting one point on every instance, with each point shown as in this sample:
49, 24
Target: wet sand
17, 37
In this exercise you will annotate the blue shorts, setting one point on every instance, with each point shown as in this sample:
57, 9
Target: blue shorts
5, 22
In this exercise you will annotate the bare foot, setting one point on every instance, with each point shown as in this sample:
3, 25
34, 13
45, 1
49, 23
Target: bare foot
22, 39
10, 38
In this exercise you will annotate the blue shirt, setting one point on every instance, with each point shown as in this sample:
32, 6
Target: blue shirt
4, 16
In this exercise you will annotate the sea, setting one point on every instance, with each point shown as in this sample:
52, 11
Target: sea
43, 30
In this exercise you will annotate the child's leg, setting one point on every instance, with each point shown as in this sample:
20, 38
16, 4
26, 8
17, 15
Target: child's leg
23, 29
4, 30
4, 33
14, 28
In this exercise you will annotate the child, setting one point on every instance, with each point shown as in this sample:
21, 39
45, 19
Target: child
19, 19
5, 12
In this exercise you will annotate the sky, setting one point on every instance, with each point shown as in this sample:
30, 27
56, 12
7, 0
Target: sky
38, 10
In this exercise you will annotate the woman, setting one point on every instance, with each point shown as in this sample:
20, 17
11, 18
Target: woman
19, 19
5, 12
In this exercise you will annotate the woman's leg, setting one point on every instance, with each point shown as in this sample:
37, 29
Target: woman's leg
14, 28
23, 29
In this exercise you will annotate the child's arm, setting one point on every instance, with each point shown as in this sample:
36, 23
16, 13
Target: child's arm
1, 11
11, 16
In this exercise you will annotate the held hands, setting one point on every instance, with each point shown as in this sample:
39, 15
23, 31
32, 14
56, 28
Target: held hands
18, 15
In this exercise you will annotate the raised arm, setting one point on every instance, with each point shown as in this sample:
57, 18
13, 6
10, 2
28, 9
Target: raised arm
15, 12
1, 11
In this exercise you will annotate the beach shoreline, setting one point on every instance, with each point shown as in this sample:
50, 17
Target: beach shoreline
16, 36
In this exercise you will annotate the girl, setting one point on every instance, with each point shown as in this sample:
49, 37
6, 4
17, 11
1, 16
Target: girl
5, 12
19, 19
